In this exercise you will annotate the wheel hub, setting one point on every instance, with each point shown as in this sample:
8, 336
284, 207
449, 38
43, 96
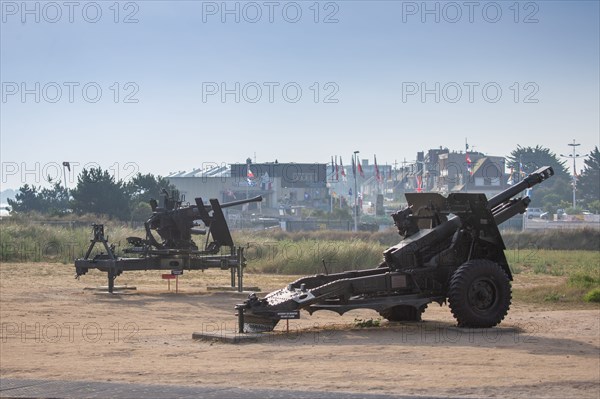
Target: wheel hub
482, 294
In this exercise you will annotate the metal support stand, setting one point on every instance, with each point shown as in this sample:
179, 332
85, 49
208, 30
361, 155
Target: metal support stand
111, 280
240, 269
240, 314
98, 230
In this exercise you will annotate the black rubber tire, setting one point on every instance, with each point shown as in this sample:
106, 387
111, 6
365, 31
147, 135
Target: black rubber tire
479, 294
403, 313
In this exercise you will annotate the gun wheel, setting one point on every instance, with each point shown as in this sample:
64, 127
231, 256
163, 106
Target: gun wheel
403, 313
479, 294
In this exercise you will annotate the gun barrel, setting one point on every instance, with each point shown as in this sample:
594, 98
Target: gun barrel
258, 198
534, 178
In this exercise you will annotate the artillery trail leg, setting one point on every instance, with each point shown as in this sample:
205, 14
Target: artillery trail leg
111, 280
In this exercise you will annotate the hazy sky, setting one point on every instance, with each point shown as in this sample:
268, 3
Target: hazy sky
157, 86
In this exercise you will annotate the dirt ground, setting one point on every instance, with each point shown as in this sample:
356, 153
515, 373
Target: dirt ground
52, 328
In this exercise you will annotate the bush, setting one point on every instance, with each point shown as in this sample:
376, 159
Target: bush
592, 295
582, 280
364, 323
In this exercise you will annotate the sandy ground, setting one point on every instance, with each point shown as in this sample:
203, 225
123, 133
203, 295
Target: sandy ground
54, 329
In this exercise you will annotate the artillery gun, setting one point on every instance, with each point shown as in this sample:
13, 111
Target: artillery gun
174, 249
452, 251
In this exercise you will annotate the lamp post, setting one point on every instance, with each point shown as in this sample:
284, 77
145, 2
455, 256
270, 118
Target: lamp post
355, 192
66, 166
574, 155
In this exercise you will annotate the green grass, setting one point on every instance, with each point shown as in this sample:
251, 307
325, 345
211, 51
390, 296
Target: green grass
559, 239
306, 256
34, 242
577, 271
582, 280
555, 262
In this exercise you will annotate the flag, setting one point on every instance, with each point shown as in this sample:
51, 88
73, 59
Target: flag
511, 177
377, 175
469, 169
67, 165
521, 171
360, 169
337, 176
249, 175
419, 183
353, 168
343, 170
332, 168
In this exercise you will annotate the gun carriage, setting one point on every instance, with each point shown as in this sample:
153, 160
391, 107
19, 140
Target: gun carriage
174, 249
452, 251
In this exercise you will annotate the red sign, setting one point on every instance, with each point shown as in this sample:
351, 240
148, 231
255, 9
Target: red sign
168, 277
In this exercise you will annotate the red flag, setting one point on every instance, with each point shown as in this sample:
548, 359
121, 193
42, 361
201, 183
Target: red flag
360, 170
469, 164
342, 168
249, 174
377, 175
353, 168
419, 183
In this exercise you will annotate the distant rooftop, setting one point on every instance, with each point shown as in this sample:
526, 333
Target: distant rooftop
209, 171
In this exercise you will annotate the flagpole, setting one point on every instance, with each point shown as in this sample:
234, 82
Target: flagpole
467, 164
330, 203
355, 194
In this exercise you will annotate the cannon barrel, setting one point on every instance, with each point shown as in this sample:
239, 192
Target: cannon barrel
534, 178
258, 198
207, 208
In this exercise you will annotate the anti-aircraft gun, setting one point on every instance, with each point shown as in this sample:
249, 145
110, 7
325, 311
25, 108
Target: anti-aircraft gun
452, 250
174, 249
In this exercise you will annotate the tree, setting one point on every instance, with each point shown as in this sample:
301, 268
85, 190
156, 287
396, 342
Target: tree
141, 212
532, 158
594, 206
589, 181
56, 199
142, 188
53, 201
98, 192
28, 199
552, 192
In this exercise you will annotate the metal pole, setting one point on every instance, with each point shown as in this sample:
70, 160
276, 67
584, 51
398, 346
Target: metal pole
355, 193
574, 145
574, 156
330, 202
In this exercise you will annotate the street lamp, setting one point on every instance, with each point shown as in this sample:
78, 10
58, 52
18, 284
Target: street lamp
355, 192
574, 156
